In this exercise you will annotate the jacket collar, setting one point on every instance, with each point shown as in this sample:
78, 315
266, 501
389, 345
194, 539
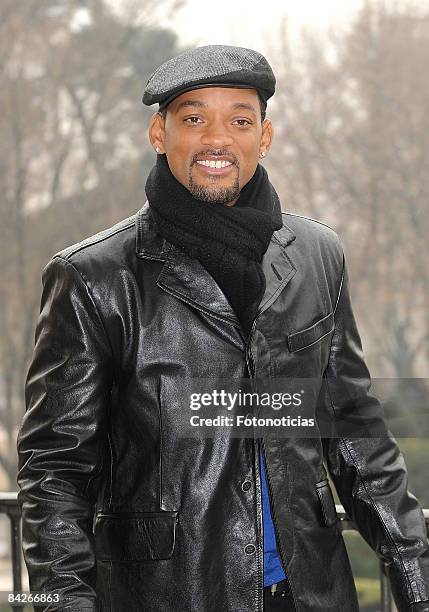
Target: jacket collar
188, 280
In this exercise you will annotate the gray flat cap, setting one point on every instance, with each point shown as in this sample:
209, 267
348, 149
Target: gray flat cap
212, 65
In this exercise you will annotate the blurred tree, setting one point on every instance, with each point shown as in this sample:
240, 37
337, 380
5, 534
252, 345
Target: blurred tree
351, 117
73, 151
352, 149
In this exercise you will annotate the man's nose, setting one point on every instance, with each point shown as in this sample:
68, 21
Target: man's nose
216, 135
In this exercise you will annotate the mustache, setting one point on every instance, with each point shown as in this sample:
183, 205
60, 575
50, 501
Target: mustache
215, 152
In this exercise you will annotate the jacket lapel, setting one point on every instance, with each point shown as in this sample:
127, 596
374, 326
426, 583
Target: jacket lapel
188, 280
277, 266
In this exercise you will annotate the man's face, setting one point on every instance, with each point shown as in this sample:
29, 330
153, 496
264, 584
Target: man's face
212, 138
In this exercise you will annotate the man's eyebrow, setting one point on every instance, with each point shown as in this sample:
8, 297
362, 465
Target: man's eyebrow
196, 103
244, 106
199, 104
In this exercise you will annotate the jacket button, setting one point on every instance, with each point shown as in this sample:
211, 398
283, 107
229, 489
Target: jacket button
246, 485
250, 549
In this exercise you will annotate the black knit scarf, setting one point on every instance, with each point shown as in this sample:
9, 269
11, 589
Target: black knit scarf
229, 241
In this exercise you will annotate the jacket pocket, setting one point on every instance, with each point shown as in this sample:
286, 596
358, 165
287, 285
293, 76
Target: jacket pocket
137, 536
310, 335
327, 503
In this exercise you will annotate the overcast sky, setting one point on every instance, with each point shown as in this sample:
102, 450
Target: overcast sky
249, 23
254, 23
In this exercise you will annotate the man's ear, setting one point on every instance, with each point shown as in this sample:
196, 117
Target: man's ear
156, 132
267, 134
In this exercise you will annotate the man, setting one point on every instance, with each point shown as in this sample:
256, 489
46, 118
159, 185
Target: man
123, 511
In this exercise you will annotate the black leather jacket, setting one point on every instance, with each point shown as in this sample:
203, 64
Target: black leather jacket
125, 318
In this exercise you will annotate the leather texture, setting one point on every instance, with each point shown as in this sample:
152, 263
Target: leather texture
121, 512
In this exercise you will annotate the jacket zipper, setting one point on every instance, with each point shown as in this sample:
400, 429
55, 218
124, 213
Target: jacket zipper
250, 362
249, 357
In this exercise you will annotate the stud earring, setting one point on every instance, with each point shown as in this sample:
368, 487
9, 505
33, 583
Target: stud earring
262, 154
157, 149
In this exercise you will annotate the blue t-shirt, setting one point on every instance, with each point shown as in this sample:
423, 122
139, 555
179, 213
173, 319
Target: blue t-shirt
273, 569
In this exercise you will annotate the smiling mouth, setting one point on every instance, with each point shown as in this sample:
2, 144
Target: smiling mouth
215, 162
211, 163
215, 168
211, 167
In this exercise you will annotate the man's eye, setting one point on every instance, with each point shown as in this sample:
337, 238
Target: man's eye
243, 122
192, 119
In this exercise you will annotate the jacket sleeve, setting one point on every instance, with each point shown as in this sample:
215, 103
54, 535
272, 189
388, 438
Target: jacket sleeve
369, 472
62, 439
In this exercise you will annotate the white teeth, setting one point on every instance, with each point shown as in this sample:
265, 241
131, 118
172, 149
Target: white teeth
214, 164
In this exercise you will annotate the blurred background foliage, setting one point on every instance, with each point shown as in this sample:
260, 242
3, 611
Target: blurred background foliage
351, 119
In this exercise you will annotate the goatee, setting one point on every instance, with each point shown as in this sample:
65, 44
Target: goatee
215, 194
